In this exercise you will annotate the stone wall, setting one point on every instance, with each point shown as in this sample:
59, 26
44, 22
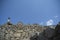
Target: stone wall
19, 31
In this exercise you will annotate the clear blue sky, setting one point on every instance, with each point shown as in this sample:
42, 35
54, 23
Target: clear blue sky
30, 11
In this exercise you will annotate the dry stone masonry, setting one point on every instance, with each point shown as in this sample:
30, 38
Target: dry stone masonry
20, 31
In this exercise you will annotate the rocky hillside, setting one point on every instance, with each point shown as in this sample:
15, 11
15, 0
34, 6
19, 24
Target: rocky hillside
20, 31
48, 34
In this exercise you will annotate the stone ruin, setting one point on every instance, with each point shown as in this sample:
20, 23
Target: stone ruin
20, 31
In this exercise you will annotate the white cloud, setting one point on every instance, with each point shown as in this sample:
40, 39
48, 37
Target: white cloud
49, 22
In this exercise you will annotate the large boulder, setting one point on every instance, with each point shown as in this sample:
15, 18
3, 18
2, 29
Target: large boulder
57, 32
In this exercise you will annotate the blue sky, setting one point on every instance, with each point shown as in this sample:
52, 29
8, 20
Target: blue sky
30, 11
